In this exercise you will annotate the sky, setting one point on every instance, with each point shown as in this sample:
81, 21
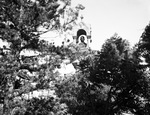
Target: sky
127, 18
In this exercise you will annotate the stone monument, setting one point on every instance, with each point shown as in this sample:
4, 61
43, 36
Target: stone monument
82, 34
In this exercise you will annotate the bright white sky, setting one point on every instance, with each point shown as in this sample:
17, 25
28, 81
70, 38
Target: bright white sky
128, 18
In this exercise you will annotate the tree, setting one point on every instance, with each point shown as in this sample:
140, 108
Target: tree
143, 45
19, 23
143, 53
123, 81
79, 94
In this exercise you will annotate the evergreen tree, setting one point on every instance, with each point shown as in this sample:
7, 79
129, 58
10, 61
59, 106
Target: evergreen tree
19, 23
117, 73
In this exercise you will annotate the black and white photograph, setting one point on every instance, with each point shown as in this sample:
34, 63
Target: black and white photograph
74, 57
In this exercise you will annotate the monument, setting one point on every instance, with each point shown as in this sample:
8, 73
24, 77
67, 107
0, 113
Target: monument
82, 34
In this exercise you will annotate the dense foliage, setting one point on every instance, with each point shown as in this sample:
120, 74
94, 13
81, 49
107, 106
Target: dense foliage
118, 70
111, 82
20, 75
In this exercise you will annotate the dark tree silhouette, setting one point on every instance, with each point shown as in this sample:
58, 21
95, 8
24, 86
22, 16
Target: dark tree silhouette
119, 73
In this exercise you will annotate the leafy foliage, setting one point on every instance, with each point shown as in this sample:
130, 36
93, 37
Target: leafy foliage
45, 106
121, 77
76, 92
19, 23
143, 45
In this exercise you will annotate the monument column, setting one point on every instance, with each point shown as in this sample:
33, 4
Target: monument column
88, 40
74, 39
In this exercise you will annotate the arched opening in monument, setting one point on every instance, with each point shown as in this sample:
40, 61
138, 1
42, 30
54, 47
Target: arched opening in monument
79, 33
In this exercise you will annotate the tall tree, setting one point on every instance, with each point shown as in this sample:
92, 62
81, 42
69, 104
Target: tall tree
19, 20
143, 53
143, 45
119, 73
